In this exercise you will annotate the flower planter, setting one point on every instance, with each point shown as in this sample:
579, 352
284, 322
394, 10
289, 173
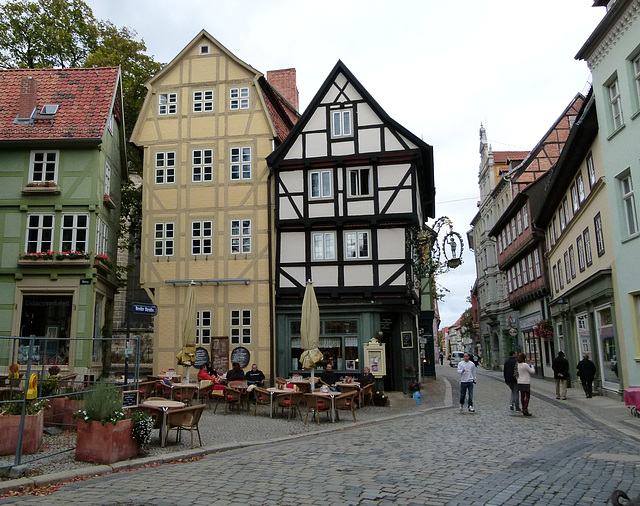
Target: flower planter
106, 443
32, 438
109, 202
62, 411
41, 189
101, 266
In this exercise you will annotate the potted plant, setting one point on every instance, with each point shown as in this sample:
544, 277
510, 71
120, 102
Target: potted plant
105, 434
10, 416
142, 428
379, 399
103, 260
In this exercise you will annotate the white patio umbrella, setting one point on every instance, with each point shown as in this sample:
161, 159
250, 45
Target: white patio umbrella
187, 354
310, 331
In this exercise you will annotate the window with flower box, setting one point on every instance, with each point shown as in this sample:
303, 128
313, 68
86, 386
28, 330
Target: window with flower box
102, 237
75, 228
39, 233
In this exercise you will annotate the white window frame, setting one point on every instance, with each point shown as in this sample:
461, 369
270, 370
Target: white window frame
581, 259
240, 236
597, 225
636, 72
519, 274
529, 259
354, 241
572, 262
525, 217
164, 239
167, 103
629, 203
555, 278
341, 123
580, 186
204, 49
575, 203
240, 163
202, 165
47, 163
203, 101
509, 287
74, 236
567, 274
240, 326
525, 275
519, 222
323, 245
586, 236
165, 167
203, 327
201, 238
238, 98
615, 104
110, 123
560, 279
324, 188
43, 225
536, 259
102, 237
591, 170
355, 180
107, 179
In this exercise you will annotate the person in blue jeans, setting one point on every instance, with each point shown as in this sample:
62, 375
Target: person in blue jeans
467, 370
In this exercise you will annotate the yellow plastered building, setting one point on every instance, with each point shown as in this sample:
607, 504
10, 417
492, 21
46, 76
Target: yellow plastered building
208, 122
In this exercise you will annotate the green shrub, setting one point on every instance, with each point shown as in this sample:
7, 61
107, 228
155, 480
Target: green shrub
102, 404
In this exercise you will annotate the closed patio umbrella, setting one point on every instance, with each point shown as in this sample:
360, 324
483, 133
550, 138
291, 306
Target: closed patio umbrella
310, 331
187, 354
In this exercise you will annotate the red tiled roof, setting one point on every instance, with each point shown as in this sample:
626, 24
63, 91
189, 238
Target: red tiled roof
84, 95
502, 156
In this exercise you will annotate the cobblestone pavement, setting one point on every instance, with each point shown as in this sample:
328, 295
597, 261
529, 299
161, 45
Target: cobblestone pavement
494, 456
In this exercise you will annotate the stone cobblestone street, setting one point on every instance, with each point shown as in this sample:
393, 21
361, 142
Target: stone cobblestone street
494, 456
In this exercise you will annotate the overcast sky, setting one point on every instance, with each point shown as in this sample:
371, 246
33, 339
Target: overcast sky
439, 68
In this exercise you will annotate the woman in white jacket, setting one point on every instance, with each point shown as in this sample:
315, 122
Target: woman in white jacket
524, 382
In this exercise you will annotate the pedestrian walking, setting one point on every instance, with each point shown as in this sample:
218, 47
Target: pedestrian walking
560, 368
441, 354
476, 360
511, 380
467, 370
524, 382
586, 373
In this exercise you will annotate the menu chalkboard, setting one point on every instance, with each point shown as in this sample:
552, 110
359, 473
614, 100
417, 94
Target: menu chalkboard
130, 399
241, 355
407, 339
202, 357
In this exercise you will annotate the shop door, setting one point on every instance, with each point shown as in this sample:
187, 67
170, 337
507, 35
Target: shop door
47, 317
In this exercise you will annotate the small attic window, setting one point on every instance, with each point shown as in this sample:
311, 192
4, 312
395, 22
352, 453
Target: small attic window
204, 49
49, 109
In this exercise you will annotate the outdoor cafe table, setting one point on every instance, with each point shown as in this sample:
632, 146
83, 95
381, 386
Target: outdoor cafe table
330, 394
344, 383
165, 405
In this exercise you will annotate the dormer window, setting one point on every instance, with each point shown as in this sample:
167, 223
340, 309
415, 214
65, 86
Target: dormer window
341, 123
49, 109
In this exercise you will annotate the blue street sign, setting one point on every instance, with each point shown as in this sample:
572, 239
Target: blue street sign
148, 309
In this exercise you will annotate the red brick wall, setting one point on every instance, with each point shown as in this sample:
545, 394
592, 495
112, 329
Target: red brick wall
284, 81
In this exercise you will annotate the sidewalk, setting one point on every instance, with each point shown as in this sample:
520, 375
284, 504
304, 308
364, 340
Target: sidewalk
604, 410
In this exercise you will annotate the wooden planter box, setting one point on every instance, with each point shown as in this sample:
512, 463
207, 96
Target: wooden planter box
32, 438
106, 443
62, 412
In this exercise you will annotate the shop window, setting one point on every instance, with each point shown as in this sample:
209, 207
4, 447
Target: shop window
606, 343
46, 317
338, 344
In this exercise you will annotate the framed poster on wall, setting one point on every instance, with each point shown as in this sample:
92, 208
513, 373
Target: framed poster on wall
407, 339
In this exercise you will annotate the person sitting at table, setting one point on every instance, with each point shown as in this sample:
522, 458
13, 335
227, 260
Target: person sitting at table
255, 376
367, 378
210, 370
204, 375
235, 373
329, 377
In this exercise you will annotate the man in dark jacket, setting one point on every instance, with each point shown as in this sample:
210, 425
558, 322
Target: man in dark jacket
587, 371
512, 381
560, 368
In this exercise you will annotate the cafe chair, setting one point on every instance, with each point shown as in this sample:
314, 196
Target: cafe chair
232, 397
218, 396
154, 412
291, 402
345, 402
184, 394
304, 387
165, 388
367, 393
262, 398
315, 405
281, 381
237, 384
66, 381
185, 419
204, 391
147, 389
352, 388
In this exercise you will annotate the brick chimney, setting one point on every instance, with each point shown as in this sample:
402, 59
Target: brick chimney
28, 98
284, 81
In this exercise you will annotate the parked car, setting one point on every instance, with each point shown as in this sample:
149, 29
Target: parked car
456, 358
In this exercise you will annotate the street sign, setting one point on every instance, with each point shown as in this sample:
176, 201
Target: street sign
148, 309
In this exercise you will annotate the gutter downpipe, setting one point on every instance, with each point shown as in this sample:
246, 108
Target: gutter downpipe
271, 288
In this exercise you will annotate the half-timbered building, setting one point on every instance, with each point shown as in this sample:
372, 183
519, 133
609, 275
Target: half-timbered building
350, 185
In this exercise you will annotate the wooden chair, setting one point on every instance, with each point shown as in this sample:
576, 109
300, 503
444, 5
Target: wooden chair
155, 414
316, 405
184, 394
281, 381
166, 391
352, 388
218, 396
366, 393
204, 391
345, 402
305, 387
291, 402
185, 419
262, 398
232, 397
147, 389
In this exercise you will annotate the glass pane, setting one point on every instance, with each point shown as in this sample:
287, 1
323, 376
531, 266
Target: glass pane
363, 244
326, 184
346, 122
330, 246
315, 184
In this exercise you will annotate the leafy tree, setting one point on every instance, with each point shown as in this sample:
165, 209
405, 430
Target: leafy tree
467, 328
